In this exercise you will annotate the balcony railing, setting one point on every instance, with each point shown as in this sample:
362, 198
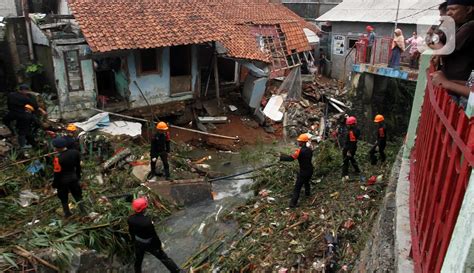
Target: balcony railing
441, 165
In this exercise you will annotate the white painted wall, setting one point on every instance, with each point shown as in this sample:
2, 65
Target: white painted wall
460, 255
7, 8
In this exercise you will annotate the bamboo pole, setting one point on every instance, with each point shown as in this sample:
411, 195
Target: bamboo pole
26, 254
172, 126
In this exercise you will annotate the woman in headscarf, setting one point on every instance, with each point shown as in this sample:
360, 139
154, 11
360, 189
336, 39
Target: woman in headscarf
398, 46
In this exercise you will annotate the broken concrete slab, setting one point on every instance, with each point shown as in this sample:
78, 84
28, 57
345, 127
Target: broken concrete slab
183, 192
4, 131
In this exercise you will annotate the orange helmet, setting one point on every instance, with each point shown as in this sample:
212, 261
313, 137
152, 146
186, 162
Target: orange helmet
29, 107
379, 118
303, 138
71, 127
162, 126
139, 204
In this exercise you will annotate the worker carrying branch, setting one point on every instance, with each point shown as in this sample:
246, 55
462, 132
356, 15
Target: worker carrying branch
160, 147
350, 138
381, 141
145, 239
304, 155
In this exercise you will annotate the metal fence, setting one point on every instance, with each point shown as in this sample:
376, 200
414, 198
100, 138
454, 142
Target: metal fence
441, 164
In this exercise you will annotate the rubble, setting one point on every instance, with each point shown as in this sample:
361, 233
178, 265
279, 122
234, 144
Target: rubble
325, 234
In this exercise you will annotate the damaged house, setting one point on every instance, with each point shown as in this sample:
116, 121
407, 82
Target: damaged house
123, 55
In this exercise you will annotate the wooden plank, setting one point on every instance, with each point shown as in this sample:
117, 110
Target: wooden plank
213, 119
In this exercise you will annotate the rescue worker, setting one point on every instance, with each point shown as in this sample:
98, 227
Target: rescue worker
349, 149
304, 155
381, 141
144, 237
160, 147
67, 174
71, 138
24, 122
16, 102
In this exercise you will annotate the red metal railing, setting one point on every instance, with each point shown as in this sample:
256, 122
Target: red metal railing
441, 165
380, 53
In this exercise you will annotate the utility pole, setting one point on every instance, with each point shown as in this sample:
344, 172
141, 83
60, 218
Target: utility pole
26, 13
396, 16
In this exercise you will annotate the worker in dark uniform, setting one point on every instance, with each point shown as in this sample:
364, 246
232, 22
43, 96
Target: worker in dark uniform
16, 102
24, 122
67, 174
160, 147
304, 155
144, 236
71, 138
381, 141
350, 147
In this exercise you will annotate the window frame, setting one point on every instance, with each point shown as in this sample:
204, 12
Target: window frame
138, 58
81, 87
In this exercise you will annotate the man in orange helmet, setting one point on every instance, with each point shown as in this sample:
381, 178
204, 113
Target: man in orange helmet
144, 237
304, 155
160, 147
24, 124
350, 147
71, 137
381, 141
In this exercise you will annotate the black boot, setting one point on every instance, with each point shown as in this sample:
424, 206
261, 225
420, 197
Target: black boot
67, 212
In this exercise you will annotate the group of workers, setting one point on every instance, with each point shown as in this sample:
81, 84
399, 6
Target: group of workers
349, 135
67, 167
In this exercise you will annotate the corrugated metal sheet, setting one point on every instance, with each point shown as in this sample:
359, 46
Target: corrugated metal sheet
381, 11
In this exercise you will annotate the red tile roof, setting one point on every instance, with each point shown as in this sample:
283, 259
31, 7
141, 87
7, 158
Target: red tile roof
132, 24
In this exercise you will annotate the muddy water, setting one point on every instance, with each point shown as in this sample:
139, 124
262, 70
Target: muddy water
188, 230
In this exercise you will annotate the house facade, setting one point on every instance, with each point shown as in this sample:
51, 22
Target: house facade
167, 54
347, 22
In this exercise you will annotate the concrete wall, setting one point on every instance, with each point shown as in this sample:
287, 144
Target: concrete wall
8, 8
382, 95
353, 30
156, 87
73, 105
44, 57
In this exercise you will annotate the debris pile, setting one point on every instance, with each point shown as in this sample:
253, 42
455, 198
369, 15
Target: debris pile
321, 107
325, 234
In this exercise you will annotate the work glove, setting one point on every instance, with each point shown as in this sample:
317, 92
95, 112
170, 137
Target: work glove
377, 148
349, 154
153, 159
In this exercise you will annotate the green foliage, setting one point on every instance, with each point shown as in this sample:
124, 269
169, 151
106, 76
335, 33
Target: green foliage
34, 69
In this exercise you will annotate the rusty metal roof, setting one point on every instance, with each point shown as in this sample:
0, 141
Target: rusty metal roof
381, 11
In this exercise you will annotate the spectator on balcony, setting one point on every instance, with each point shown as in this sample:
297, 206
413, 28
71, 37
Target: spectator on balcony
413, 43
458, 65
371, 38
443, 9
398, 46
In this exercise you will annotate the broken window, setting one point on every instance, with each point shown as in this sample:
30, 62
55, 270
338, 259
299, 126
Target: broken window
73, 70
352, 42
149, 61
180, 69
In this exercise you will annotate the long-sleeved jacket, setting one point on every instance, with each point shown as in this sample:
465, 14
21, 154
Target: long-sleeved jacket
141, 229
72, 143
16, 102
67, 167
304, 156
160, 143
351, 137
381, 135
